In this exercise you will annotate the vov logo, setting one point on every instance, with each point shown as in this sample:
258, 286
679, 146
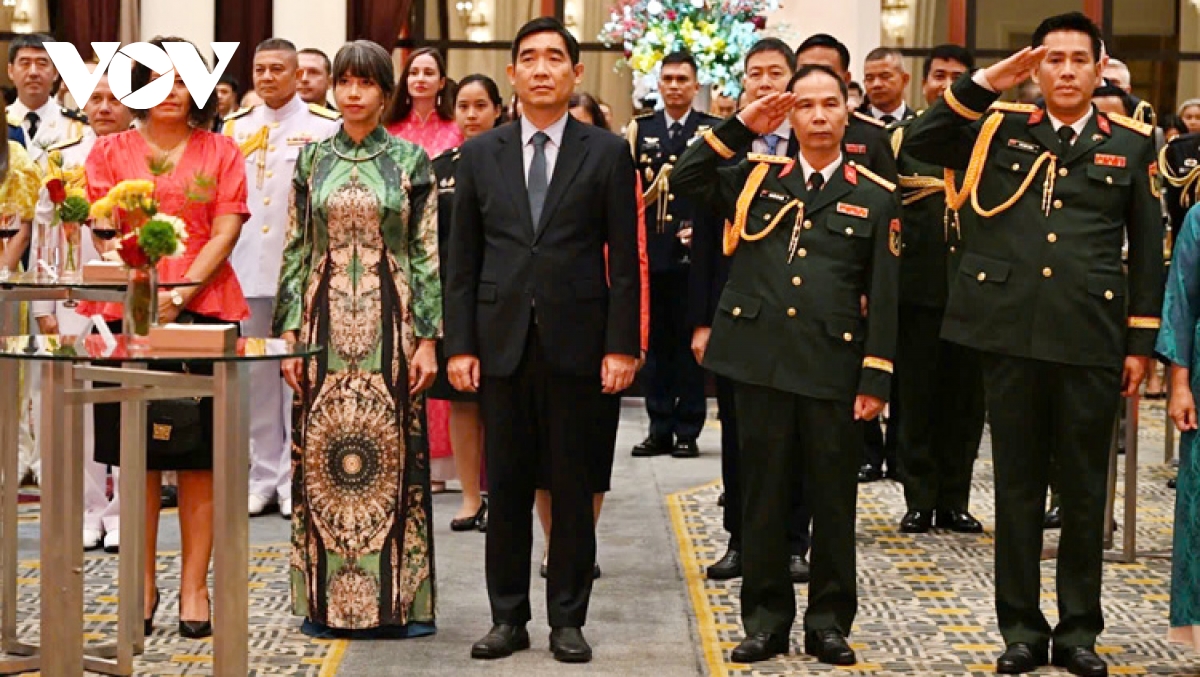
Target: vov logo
179, 57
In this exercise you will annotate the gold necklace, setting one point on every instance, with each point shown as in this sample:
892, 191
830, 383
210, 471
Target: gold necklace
165, 159
354, 159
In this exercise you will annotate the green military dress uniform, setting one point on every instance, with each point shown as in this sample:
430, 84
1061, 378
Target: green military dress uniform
939, 382
1041, 292
789, 331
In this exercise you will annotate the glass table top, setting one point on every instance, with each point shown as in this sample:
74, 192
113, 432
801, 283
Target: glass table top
92, 348
31, 280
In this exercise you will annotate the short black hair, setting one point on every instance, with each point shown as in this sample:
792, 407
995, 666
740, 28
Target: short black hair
1071, 21
592, 105
855, 86
1172, 121
948, 52
681, 56
828, 41
200, 117
323, 55
813, 68
233, 83
881, 53
772, 45
275, 45
366, 59
546, 24
28, 41
1114, 91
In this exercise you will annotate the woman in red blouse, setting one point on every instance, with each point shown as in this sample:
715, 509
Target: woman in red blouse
422, 109
209, 168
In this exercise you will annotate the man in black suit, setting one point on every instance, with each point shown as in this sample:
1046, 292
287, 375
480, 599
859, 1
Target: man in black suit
886, 78
674, 381
540, 326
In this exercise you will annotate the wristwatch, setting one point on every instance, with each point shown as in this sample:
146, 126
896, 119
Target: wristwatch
176, 298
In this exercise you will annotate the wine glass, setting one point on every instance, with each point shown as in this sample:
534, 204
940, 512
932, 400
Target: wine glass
104, 229
10, 225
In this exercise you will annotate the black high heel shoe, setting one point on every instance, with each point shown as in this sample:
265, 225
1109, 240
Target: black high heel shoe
148, 629
196, 629
473, 522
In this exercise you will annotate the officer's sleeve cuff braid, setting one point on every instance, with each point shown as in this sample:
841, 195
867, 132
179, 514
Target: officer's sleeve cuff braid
717, 145
969, 99
878, 363
1145, 322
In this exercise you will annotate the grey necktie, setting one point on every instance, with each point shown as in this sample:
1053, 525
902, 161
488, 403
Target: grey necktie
536, 184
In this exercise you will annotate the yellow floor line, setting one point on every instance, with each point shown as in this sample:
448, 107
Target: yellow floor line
713, 653
333, 659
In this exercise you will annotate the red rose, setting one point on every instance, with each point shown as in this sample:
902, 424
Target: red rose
58, 192
131, 252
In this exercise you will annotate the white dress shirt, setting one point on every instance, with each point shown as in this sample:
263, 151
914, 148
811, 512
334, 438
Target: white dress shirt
897, 114
555, 132
827, 172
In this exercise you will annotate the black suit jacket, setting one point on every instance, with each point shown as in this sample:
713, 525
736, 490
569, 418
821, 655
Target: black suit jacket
502, 277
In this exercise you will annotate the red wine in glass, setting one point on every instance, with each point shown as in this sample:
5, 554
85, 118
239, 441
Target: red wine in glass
104, 233
9, 229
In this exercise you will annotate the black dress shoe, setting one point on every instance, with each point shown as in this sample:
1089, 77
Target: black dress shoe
1020, 658
482, 524
1171, 483
726, 568
798, 568
829, 646
596, 573
759, 647
170, 496
652, 446
1053, 519
685, 449
569, 646
1080, 661
501, 641
470, 523
916, 521
869, 473
959, 521
721, 500
148, 627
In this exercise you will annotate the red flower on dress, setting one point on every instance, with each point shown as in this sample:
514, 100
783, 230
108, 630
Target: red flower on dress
58, 192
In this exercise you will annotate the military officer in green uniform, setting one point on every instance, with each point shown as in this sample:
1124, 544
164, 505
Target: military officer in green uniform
811, 236
938, 381
1063, 332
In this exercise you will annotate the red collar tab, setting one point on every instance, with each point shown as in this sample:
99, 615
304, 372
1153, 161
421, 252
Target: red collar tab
1036, 116
1103, 124
851, 174
787, 169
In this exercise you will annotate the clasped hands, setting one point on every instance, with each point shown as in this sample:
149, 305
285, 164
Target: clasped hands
616, 373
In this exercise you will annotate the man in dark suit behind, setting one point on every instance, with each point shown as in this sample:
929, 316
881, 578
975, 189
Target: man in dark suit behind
541, 326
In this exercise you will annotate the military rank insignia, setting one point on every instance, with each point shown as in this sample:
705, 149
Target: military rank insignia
1105, 160
853, 210
894, 237
856, 148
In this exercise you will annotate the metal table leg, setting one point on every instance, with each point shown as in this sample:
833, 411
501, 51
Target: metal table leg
62, 522
231, 527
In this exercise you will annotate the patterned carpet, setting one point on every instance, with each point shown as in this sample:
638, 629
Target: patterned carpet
276, 646
926, 600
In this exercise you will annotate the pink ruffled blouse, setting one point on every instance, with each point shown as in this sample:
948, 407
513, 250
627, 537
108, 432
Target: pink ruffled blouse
433, 134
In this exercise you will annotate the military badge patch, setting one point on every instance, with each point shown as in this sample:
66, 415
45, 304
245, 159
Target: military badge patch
894, 237
773, 196
1024, 145
1105, 160
856, 148
853, 210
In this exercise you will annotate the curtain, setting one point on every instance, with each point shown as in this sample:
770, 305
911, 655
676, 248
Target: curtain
83, 22
131, 21
377, 20
248, 22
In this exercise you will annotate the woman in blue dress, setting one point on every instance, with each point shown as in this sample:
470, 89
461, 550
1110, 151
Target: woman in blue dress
1179, 344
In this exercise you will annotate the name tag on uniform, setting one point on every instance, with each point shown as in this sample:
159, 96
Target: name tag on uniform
302, 139
1024, 145
1190, 162
773, 196
650, 143
852, 210
1110, 160
856, 148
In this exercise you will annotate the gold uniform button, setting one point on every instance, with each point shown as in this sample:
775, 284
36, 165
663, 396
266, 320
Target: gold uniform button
266, 229
274, 125
266, 200
737, 311
807, 225
847, 337
767, 216
981, 276
1047, 272
670, 217
791, 312
1063, 172
1016, 167
670, 196
1058, 204
796, 281
1108, 294
271, 148
1052, 238
953, 249
673, 158
270, 174
849, 230
801, 252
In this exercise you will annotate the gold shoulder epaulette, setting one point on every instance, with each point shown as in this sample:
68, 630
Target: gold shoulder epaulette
1013, 107
644, 116
887, 185
13, 118
771, 159
238, 113
868, 118
631, 134
65, 144
318, 109
1129, 123
73, 114
898, 139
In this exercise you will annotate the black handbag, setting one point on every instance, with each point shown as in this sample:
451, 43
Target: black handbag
174, 428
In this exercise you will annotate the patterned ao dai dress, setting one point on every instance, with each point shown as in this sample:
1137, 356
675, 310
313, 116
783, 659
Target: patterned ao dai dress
360, 277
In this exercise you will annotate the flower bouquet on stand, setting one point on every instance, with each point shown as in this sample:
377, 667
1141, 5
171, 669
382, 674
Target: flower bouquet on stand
146, 236
67, 189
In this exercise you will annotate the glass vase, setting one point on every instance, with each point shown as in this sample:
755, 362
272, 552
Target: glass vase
69, 248
141, 306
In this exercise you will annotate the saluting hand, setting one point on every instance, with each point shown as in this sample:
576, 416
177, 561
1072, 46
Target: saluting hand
765, 115
1015, 69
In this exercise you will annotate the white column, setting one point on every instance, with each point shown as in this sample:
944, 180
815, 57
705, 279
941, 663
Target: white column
312, 23
854, 22
194, 20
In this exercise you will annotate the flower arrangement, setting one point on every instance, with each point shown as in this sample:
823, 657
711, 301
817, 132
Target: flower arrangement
147, 236
67, 190
718, 33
